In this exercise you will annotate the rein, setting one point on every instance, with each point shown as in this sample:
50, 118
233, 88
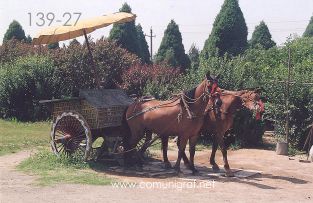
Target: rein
150, 109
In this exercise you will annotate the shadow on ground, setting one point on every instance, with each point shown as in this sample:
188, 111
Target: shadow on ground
154, 168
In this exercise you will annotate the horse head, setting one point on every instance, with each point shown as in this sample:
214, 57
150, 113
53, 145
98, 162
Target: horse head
252, 100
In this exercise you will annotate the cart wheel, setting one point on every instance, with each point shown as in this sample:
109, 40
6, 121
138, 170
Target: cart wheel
70, 135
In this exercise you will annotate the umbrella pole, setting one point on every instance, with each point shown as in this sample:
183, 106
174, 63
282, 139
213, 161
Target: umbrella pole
92, 62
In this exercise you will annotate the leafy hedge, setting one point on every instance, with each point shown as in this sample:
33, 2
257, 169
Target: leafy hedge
22, 84
28, 74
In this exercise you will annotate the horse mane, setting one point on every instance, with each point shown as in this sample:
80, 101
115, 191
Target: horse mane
241, 92
234, 93
190, 94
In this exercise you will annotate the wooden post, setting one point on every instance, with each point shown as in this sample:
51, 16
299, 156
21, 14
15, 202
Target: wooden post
287, 97
150, 36
97, 80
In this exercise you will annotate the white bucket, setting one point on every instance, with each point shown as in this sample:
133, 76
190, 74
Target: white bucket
282, 148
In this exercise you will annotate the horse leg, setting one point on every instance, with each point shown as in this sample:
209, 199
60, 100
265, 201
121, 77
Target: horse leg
184, 156
228, 171
181, 149
164, 140
192, 151
212, 157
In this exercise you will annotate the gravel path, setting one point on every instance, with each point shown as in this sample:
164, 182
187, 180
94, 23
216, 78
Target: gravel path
282, 180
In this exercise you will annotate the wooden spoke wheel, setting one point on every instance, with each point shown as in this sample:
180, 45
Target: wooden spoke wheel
71, 135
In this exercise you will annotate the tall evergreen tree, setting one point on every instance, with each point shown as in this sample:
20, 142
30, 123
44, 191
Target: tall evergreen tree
261, 37
172, 46
229, 33
309, 29
143, 46
15, 31
194, 56
125, 34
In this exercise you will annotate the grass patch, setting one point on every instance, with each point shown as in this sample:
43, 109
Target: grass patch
52, 169
200, 147
236, 145
292, 151
16, 136
157, 145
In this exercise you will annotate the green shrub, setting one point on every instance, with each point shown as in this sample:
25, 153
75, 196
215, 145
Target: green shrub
248, 130
22, 84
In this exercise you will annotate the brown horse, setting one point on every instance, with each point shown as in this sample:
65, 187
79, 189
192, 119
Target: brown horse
220, 126
179, 116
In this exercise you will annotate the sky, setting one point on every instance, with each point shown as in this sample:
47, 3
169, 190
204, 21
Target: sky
194, 17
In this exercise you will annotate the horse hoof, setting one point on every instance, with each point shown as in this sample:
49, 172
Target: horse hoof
167, 165
215, 168
229, 174
179, 173
195, 172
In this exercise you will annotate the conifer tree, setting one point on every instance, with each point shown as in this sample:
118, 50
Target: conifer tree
261, 37
194, 56
15, 31
125, 34
143, 46
229, 33
309, 29
172, 49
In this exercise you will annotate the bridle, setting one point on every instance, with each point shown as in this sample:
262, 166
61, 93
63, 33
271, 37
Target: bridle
256, 106
204, 94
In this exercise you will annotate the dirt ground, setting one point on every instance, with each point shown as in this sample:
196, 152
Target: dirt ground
281, 180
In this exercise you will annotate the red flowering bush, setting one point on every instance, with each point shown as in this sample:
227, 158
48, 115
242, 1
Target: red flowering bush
12, 49
74, 69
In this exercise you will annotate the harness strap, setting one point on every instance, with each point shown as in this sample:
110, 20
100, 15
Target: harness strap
149, 109
190, 114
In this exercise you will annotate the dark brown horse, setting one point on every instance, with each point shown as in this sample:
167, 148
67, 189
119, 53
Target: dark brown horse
180, 116
220, 126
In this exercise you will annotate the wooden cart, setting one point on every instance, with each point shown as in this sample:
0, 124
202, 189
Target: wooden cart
90, 125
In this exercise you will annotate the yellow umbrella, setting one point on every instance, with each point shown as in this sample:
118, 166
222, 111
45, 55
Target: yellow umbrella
83, 27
